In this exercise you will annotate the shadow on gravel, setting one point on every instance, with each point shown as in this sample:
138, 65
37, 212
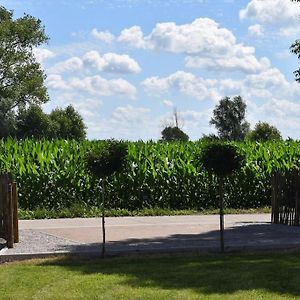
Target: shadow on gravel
246, 236
210, 274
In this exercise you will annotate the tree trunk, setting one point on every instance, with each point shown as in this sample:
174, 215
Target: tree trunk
103, 218
221, 192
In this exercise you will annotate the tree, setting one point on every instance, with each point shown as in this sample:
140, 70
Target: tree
8, 122
34, 123
104, 162
264, 132
171, 134
21, 77
69, 123
229, 119
222, 160
295, 48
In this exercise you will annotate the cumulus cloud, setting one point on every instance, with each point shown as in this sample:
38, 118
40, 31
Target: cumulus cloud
256, 30
183, 82
70, 65
282, 13
108, 62
93, 85
42, 54
203, 41
133, 36
104, 36
261, 86
271, 11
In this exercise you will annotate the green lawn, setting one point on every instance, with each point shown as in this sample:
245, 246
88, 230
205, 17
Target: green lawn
265, 276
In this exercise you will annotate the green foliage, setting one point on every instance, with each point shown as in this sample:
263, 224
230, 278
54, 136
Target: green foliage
52, 175
264, 132
229, 119
22, 79
170, 134
108, 159
33, 122
69, 123
221, 159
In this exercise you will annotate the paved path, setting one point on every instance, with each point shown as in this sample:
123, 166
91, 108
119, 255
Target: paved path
152, 234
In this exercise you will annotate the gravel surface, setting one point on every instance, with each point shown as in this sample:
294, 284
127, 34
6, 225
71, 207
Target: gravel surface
34, 241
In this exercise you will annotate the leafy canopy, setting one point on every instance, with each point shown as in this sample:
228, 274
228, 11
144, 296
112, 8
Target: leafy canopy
170, 134
106, 160
221, 159
264, 132
21, 77
229, 119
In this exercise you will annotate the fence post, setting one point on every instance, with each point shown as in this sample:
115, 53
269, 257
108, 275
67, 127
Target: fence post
15, 212
9, 217
275, 198
2, 231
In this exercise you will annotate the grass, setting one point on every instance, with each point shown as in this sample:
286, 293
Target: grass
79, 211
264, 276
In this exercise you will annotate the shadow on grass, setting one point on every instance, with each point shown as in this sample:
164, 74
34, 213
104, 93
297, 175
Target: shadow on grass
221, 274
210, 274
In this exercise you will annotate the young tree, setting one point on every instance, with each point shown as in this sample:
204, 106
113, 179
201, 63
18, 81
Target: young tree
222, 160
171, 134
21, 77
264, 132
229, 119
104, 162
69, 123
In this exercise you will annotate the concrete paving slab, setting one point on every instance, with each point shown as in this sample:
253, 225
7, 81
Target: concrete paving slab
152, 234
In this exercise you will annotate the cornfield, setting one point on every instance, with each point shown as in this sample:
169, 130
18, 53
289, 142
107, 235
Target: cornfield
52, 175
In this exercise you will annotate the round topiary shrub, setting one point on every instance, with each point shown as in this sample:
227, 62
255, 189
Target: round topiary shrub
103, 162
221, 159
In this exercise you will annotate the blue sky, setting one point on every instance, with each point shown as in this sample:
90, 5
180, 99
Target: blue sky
126, 64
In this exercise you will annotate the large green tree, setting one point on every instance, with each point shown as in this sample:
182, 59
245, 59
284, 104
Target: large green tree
59, 124
295, 48
229, 119
264, 132
21, 76
32, 122
69, 123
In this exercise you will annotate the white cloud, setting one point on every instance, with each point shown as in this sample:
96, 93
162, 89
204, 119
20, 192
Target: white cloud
42, 54
282, 13
133, 36
70, 65
108, 62
203, 41
93, 85
271, 11
185, 83
256, 30
104, 36
168, 103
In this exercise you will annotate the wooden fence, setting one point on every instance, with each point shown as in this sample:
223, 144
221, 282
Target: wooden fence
9, 229
286, 198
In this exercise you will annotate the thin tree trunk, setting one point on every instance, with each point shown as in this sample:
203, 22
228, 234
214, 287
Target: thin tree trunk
221, 192
103, 218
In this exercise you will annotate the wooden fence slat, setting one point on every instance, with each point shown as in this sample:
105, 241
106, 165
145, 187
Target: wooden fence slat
9, 229
15, 212
285, 198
